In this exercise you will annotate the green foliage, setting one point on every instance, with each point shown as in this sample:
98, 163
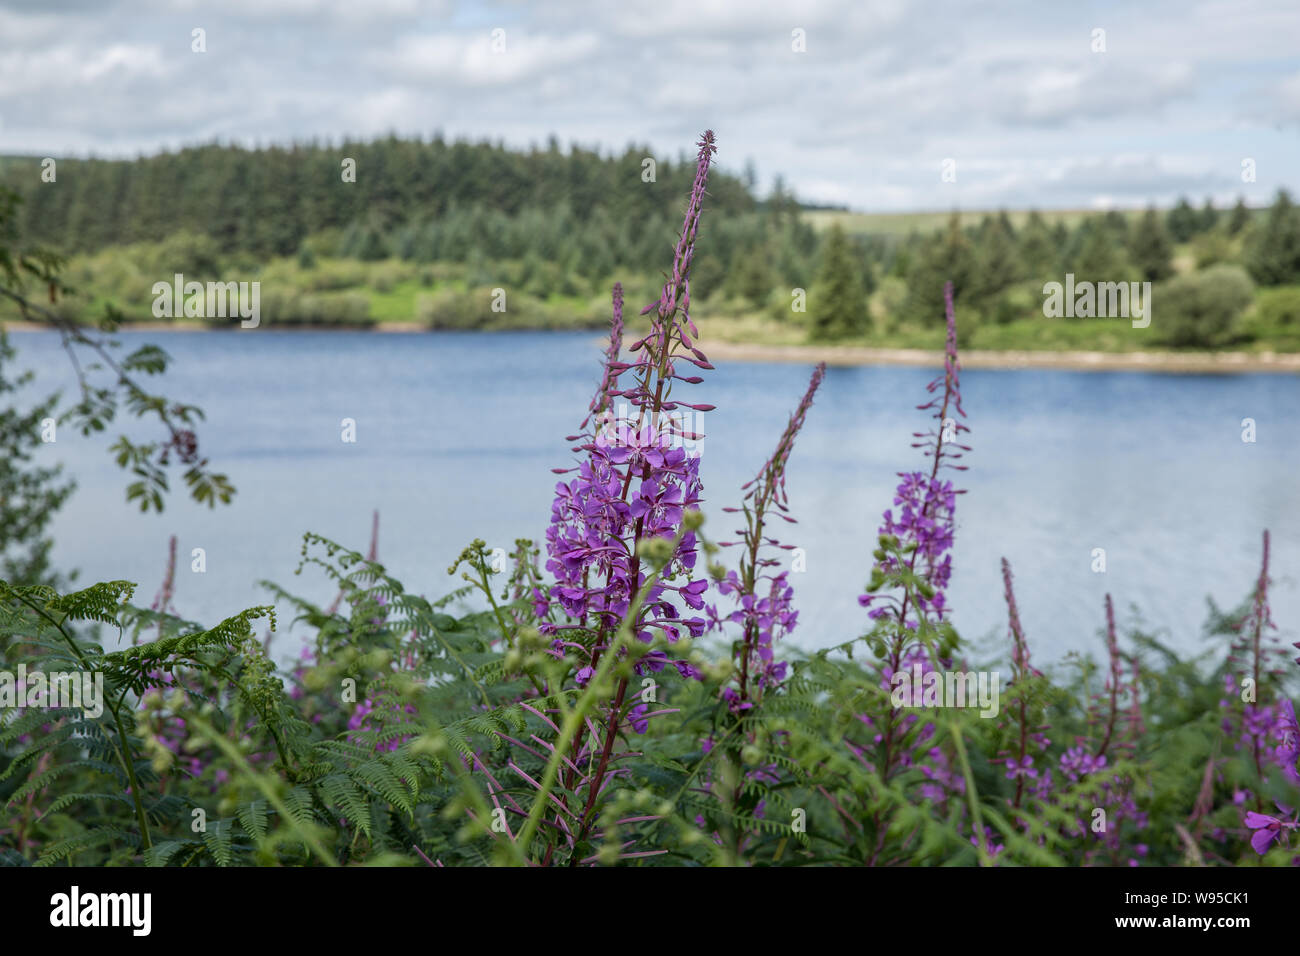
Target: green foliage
107, 383
1239, 218
1151, 249
1273, 249
946, 256
997, 263
30, 493
1038, 251
405, 730
268, 201
1182, 221
1280, 306
1097, 253
1202, 309
839, 301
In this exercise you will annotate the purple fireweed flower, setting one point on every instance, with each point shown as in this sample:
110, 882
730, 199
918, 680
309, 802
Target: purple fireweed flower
637, 718
636, 481
926, 503
1025, 768
1268, 828
763, 596
1076, 763
993, 848
1259, 726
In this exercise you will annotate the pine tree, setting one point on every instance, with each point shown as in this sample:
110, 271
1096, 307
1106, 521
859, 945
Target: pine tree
1095, 255
1117, 223
1103, 256
1240, 217
997, 265
754, 276
1038, 249
839, 301
1273, 251
1150, 248
1209, 215
945, 256
1182, 222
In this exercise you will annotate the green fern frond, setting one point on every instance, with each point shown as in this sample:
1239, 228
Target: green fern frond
65, 849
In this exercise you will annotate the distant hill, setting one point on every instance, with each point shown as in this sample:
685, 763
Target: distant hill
266, 201
901, 223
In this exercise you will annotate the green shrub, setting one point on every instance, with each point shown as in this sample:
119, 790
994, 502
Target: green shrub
1211, 248
287, 306
1280, 306
336, 275
195, 256
1201, 309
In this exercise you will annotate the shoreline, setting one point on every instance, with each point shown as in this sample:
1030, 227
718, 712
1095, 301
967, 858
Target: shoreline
1074, 360
859, 355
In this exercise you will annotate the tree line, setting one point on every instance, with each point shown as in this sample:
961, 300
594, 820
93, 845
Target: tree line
567, 222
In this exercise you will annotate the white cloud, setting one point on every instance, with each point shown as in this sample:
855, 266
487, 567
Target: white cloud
72, 68
475, 60
884, 91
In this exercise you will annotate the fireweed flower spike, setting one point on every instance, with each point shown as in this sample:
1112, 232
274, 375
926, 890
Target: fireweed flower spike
636, 484
1020, 764
764, 597
925, 503
1260, 722
916, 542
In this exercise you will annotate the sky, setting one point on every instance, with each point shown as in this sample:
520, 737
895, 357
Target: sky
853, 102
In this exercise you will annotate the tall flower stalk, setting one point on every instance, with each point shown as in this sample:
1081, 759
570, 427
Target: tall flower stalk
914, 544
633, 491
764, 596
1021, 764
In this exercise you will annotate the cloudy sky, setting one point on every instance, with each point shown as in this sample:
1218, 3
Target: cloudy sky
882, 94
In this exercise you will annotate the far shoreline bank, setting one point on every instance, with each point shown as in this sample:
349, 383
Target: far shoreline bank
1072, 360
848, 355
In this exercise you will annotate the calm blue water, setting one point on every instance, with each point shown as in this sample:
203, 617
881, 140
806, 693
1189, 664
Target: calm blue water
457, 434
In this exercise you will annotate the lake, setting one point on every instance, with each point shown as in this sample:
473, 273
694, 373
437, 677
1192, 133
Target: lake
457, 433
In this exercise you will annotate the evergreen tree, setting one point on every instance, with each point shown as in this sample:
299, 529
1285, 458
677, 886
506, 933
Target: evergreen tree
1273, 251
1209, 215
1117, 223
839, 301
1240, 217
1037, 248
1150, 248
997, 265
1095, 255
1183, 222
754, 276
945, 256
1060, 237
